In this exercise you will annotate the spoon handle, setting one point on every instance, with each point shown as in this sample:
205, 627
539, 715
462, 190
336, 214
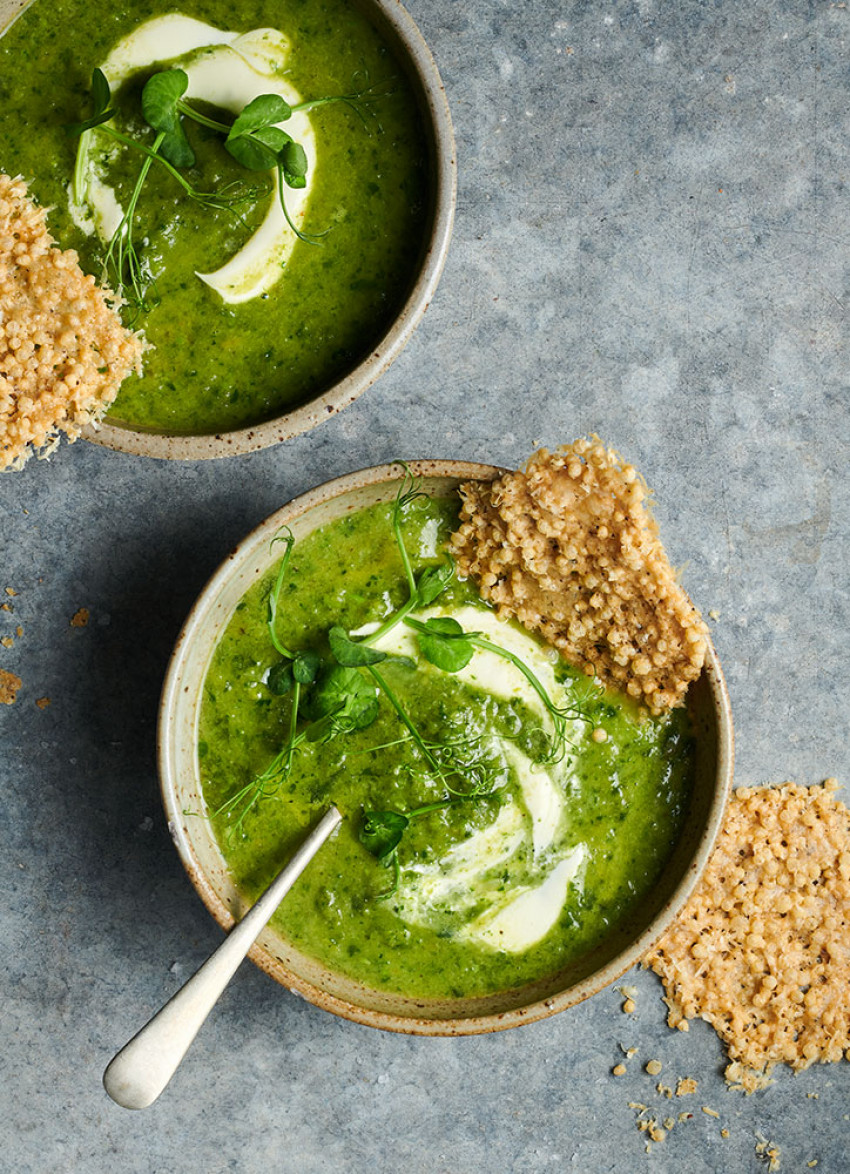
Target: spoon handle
140, 1071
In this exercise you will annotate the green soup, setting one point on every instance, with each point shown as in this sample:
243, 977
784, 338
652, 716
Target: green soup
216, 366
469, 912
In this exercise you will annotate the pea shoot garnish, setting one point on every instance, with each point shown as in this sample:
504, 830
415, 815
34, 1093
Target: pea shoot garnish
254, 139
344, 685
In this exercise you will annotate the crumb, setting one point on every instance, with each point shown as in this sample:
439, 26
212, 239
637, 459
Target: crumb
811, 1165
9, 686
709, 1112
769, 1152
813, 1096
64, 351
714, 614
619, 1070
665, 1091
724, 1133
668, 1123
11, 591
628, 1006
19, 631
653, 1067
656, 1132
570, 549
43, 702
686, 1086
7, 641
6, 607
599, 735
628, 1052
686, 1116
759, 950
80, 618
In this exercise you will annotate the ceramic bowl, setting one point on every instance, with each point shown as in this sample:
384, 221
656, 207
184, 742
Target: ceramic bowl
179, 775
398, 29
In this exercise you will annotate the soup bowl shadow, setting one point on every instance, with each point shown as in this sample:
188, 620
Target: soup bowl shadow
408, 46
624, 945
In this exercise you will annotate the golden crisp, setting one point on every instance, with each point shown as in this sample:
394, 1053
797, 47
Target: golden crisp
762, 949
10, 683
63, 350
570, 549
80, 618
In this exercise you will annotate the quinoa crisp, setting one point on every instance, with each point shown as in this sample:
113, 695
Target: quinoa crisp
570, 549
63, 349
762, 949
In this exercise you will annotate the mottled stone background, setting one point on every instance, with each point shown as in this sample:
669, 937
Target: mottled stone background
651, 243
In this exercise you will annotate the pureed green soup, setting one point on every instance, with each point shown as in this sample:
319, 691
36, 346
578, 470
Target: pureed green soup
490, 892
217, 366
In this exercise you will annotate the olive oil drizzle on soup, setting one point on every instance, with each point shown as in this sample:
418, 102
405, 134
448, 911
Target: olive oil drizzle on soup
620, 802
215, 366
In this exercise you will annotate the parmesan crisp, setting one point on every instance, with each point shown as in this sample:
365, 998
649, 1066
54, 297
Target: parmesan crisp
63, 349
762, 949
570, 549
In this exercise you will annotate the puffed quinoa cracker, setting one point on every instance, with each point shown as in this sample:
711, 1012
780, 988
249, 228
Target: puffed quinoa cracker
63, 349
570, 549
762, 949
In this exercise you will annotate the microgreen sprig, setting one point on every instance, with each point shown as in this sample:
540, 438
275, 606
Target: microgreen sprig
254, 139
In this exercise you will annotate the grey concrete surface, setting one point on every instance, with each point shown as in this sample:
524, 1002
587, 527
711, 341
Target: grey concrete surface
651, 243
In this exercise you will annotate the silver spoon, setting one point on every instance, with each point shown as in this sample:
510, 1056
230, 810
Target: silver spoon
141, 1070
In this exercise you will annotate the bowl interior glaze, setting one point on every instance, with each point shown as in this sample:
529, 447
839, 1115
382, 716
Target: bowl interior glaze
179, 776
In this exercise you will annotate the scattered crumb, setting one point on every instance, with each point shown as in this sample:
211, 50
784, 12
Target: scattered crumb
760, 949
665, 1091
686, 1086
9, 686
619, 1070
571, 550
653, 1067
637, 1105
811, 1165
43, 702
11, 591
740, 1078
599, 735
714, 614
64, 351
724, 1133
628, 1006
6, 607
686, 1116
668, 1123
656, 1132
769, 1152
19, 631
813, 1096
80, 618
628, 1052
7, 641
709, 1112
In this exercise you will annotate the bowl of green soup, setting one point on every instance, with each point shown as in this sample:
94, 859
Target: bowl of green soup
514, 836
270, 190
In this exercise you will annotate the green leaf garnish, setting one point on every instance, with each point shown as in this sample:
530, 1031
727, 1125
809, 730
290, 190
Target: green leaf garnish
381, 832
100, 97
305, 667
346, 695
433, 581
260, 112
280, 679
351, 653
160, 99
443, 643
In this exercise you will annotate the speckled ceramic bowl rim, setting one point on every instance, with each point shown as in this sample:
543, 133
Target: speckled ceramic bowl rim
469, 1025
169, 446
